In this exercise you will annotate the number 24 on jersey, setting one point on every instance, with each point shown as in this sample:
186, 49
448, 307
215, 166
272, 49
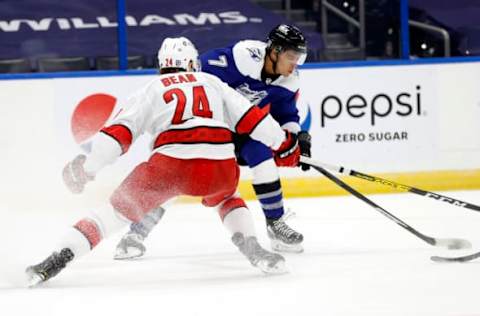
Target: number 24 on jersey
200, 105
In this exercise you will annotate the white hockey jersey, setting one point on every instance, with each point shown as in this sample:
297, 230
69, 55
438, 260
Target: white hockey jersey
189, 115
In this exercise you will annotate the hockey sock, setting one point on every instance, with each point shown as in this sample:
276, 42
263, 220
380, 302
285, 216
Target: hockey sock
271, 198
268, 189
76, 241
148, 222
239, 220
89, 231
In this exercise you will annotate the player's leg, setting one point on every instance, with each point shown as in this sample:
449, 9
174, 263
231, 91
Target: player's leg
78, 240
144, 188
238, 220
132, 243
268, 189
162, 169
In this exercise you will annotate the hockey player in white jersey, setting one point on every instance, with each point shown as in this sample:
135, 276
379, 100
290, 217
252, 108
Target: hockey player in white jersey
190, 116
266, 74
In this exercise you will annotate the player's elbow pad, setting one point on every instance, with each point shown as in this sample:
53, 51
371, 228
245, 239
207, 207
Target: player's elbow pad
269, 133
105, 150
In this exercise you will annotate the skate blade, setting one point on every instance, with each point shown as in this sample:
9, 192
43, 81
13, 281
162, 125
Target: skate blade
127, 255
283, 247
278, 268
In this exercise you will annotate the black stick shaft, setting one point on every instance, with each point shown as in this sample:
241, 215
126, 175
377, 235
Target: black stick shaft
429, 240
397, 186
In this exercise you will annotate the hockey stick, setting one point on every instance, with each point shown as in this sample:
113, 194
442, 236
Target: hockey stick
456, 259
398, 186
450, 243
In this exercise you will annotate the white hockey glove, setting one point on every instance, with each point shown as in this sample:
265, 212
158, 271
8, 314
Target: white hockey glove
74, 175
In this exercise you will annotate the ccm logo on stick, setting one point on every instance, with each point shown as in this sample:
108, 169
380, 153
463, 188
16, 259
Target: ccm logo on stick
379, 106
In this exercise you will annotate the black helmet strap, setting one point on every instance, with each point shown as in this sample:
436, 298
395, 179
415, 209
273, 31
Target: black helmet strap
277, 51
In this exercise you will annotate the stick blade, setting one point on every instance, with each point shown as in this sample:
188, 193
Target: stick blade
453, 243
455, 259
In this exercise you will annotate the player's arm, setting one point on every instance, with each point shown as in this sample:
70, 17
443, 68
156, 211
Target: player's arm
284, 111
220, 63
243, 118
109, 143
297, 142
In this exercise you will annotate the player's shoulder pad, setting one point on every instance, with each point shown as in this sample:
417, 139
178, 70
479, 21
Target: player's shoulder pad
210, 78
249, 57
151, 87
291, 82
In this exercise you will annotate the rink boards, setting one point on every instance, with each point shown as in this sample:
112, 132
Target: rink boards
414, 124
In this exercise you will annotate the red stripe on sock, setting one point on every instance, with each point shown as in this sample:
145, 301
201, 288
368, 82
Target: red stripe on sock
90, 230
229, 205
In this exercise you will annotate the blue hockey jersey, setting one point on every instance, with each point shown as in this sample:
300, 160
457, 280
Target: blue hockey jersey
240, 66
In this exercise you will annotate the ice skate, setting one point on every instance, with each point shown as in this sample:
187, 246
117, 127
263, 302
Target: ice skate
48, 268
282, 237
130, 246
266, 261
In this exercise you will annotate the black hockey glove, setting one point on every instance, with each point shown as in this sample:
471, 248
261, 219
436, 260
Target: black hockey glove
305, 144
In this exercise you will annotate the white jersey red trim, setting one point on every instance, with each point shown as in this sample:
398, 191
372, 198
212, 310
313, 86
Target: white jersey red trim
188, 115
251, 119
195, 135
212, 142
121, 134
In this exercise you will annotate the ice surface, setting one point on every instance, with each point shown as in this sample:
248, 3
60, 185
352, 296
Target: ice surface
356, 262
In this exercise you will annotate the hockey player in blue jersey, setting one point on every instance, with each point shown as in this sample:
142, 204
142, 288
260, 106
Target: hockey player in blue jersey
266, 74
